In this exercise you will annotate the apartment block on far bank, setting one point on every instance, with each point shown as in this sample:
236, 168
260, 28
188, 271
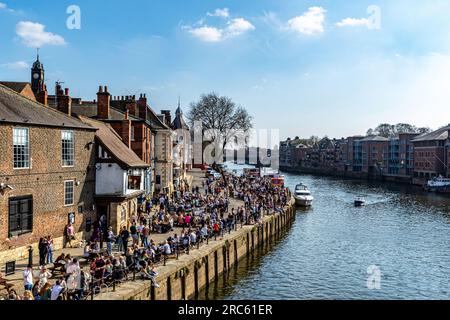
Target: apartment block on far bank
431, 155
408, 157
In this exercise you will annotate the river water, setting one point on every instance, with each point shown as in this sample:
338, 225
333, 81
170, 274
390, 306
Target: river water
402, 236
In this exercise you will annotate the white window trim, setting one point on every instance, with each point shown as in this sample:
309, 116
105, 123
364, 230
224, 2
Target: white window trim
73, 141
29, 155
73, 193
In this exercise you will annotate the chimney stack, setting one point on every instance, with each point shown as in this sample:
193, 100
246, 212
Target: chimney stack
142, 105
42, 96
104, 103
64, 101
167, 117
130, 105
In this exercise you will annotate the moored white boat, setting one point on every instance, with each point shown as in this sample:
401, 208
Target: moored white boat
303, 196
438, 184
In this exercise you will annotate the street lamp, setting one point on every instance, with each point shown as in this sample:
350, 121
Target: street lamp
30, 256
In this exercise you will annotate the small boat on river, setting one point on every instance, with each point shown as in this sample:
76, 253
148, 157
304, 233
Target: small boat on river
360, 202
302, 196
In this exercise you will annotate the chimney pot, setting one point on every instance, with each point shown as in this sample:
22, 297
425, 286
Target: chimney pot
66, 91
106, 88
100, 89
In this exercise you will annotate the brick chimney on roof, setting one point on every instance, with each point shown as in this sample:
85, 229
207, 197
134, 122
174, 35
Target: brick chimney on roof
103, 103
131, 105
64, 101
42, 96
142, 106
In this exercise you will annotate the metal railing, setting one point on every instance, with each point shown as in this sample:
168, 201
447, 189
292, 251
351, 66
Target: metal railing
109, 284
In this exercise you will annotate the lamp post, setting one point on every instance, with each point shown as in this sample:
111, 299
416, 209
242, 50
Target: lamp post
30, 256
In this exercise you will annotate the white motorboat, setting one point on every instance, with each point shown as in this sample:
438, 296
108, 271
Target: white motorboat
303, 196
360, 202
438, 184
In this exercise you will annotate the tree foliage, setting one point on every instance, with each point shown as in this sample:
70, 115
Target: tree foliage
389, 131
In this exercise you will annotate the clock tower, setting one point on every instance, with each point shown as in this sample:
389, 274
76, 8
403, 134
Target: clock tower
37, 76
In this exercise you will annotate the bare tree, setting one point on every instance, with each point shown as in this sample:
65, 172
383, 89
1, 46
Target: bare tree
221, 117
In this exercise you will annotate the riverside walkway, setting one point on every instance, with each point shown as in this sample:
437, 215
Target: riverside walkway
197, 177
255, 194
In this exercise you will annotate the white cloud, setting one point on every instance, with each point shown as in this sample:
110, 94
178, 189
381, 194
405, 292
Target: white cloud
15, 65
235, 27
223, 13
352, 22
4, 6
206, 33
238, 26
310, 23
34, 35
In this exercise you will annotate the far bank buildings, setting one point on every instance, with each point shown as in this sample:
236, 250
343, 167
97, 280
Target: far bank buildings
65, 160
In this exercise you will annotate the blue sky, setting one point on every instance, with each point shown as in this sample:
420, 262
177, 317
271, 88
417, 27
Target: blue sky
304, 67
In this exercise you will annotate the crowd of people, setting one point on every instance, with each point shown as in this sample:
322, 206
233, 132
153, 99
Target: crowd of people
202, 213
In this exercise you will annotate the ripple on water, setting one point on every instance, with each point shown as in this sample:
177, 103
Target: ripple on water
327, 251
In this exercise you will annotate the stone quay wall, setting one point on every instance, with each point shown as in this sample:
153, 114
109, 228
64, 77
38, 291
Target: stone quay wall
184, 278
349, 174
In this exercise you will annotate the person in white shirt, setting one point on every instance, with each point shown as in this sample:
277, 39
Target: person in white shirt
44, 274
193, 237
56, 290
73, 267
28, 278
166, 248
204, 232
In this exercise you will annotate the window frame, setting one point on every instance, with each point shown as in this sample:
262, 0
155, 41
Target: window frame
28, 161
63, 147
65, 193
29, 216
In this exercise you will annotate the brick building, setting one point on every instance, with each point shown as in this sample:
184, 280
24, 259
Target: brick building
431, 155
399, 157
47, 174
119, 176
127, 116
368, 155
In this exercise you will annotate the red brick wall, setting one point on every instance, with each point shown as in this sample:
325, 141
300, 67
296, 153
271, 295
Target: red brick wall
45, 182
429, 159
103, 105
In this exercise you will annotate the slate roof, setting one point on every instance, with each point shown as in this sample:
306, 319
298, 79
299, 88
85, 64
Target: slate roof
154, 120
90, 110
16, 86
374, 139
438, 135
114, 145
15, 108
178, 122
